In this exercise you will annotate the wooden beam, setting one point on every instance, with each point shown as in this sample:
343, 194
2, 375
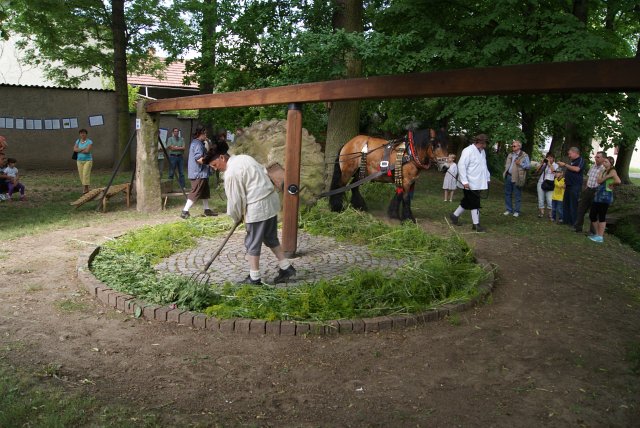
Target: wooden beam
292, 154
610, 75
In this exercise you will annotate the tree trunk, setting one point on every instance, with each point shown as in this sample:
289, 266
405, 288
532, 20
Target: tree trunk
556, 146
623, 161
626, 149
344, 116
208, 55
528, 129
581, 10
118, 28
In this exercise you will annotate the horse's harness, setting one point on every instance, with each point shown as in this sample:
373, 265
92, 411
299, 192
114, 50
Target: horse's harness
405, 152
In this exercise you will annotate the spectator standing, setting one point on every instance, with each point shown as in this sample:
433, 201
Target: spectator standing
603, 198
252, 196
547, 171
198, 175
589, 191
450, 178
13, 181
83, 147
573, 184
515, 176
175, 146
474, 176
557, 197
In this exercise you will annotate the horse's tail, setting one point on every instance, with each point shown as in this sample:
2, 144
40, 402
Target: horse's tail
336, 201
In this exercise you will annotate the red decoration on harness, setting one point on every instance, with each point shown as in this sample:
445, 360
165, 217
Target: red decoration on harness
399, 190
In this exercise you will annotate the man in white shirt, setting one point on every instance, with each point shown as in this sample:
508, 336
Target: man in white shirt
252, 198
474, 176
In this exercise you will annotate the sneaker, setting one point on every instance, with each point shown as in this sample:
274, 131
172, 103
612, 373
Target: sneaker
516, 214
478, 228
249, 281
454, 219
506, 212
210, 213
185, 215
285, 274
597, 238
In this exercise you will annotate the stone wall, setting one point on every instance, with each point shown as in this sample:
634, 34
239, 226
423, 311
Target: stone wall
265, 141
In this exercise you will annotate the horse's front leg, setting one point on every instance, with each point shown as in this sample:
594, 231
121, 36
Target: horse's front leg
394, 206
407, 195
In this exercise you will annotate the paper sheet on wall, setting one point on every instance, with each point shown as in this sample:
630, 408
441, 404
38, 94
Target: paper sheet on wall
164, 133
96, 120
8, 122
20, 123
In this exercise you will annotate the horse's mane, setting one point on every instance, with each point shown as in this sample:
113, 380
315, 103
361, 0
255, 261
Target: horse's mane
421, 138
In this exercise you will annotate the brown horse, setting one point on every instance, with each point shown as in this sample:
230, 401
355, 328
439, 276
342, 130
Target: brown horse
364, 156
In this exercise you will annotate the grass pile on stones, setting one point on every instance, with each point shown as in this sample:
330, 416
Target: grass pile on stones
431, 271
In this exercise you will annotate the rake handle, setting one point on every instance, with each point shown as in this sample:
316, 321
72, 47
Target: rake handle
215, 255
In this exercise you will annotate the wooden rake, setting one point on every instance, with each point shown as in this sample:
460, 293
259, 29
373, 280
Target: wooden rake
202, 277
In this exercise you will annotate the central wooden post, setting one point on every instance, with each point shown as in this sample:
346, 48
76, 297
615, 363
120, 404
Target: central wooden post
293, 150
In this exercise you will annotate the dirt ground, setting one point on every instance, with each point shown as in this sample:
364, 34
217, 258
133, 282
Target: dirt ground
548, 348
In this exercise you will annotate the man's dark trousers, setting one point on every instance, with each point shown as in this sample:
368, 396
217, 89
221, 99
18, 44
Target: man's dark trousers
586, 199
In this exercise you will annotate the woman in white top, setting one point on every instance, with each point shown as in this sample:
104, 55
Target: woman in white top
547, 171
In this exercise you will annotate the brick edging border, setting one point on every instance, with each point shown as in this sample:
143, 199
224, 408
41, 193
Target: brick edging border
131, 305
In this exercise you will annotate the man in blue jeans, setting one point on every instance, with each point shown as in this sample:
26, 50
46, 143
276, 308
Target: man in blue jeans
573, 185
175, 146
515, 176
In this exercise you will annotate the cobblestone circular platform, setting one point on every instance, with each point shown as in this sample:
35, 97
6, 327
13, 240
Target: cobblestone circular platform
317, 257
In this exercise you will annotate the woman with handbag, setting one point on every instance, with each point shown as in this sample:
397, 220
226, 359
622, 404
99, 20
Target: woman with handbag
602, 199
545, 184
84, 159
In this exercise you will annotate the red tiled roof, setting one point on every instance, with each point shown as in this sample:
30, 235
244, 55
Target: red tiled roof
172, 78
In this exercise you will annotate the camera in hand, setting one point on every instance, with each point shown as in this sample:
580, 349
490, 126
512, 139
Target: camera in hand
545, 161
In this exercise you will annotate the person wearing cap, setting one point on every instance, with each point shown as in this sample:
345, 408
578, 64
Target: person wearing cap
573, 184
198, 172
252, 198
474, 175
515, 176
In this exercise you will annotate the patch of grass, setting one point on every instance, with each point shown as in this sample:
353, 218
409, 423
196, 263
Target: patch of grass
34, 288
633, 357
454, 319
71, 305
432, 271
26, 401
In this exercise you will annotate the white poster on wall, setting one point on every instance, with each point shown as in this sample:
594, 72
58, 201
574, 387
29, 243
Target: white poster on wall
28, 124
8, 122
97, 120
20, 123
2, 122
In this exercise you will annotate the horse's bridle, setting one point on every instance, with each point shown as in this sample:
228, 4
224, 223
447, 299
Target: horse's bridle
414, 154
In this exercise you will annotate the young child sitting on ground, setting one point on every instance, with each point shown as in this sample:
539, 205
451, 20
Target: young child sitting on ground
557, 197
450, 178
13, 182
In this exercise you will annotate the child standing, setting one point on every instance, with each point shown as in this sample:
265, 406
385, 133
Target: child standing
450, 178
13, 182
557, 197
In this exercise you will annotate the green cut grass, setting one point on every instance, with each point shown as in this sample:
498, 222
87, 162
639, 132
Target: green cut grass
431, 271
